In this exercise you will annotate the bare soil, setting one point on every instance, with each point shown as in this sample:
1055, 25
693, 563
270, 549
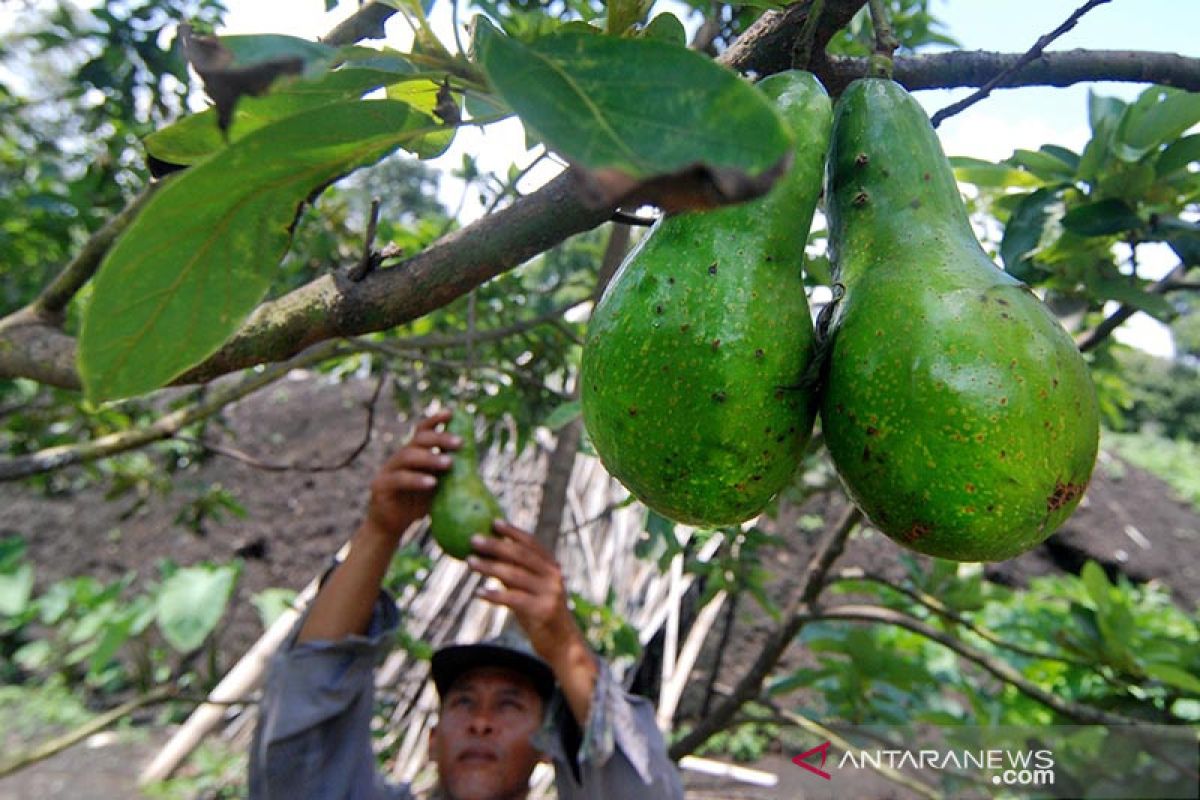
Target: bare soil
1130, 522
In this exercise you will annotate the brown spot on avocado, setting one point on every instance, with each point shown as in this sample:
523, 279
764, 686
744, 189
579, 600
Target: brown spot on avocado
866, 454
712, 268
915, 532
632, 411
861, 199
684, 327
970, 487
926, 177
915, 203
718, 397
1064, 494
658, 309
862, 159
872, 430
716, 344
758, 353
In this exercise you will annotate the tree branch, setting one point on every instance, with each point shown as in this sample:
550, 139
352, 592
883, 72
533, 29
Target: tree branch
53, 458
940, 608
796, 614
1038, 47
1058, 68
1110, 323
54, 298
1079, 712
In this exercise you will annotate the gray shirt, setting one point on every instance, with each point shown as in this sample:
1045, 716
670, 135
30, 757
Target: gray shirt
314, 738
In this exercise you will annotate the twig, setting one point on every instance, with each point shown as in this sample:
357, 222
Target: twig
802, 49
83, 266
885, 38
164, 427
1090, 340
794, 617
59, 743
368, 261
246, 458
1079, 712
1029, 56
938, 607
435, 341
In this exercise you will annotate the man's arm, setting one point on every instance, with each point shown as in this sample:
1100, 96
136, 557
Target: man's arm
400, 495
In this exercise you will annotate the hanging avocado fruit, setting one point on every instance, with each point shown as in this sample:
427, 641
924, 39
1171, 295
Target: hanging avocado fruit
462, 505
694, 355
959, 413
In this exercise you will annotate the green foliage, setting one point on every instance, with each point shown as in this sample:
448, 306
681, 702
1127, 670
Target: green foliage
1176, 461
912, 23
1065, 213
215, 771
188, 271
1158, 396
98, 635
605, 628
747, 743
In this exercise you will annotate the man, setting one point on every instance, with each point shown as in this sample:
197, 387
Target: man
504, 705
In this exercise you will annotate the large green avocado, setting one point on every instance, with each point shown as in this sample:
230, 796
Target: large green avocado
462, 506
694, 355
960, 415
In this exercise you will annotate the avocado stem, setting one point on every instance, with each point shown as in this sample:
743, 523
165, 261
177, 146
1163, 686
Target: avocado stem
880, 63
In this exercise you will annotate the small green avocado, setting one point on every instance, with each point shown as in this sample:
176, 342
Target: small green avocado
462, 505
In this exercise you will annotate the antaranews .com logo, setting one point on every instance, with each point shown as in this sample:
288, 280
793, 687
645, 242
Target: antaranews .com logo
1116, 762
1002, 766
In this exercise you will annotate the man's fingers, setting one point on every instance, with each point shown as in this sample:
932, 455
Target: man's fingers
513, 576
404, 480
418, 458
521, 545
513, 552
440, 439
520, 603
433, 420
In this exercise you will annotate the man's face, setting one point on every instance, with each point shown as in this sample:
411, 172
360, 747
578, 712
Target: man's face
481, 742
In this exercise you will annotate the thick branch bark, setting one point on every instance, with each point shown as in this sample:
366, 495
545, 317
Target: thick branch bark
1057, 68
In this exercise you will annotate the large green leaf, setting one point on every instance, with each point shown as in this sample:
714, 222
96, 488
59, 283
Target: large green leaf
1173, 675
197, 136
190, 604
1047, 166
198, 259
1178, 155
989, 175
1024, 231
1160, 114
639, 107
1102, 218
1103, 111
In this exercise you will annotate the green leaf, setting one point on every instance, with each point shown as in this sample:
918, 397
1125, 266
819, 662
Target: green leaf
250, 49
1102, 218
271, 603
1097, 585
1046, 166
666, 27
1179, 678
196, 137
200, 257
639, 107
624, 14
1103, 111
422, 94
1160, 114
1024, 231
818, 270
989, 175
1097, 151
1178, 156
16, 588
191, 602
1125, 290
1181, 236
1063, 154
565, 413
